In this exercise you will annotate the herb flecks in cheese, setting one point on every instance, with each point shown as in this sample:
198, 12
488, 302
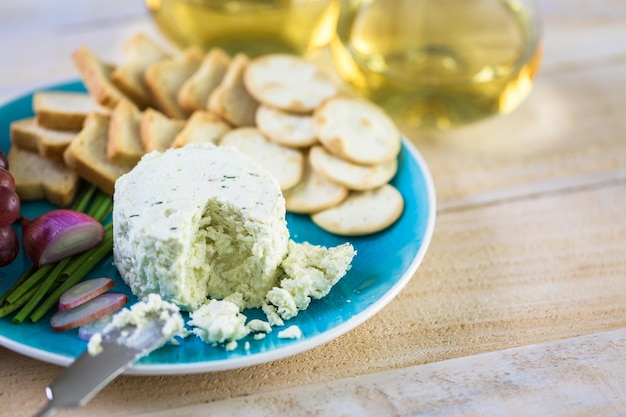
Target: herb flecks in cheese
219, 228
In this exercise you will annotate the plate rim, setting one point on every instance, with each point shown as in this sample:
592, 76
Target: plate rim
273, 354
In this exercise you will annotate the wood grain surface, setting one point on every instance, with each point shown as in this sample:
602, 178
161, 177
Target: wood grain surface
529, 244
518, 381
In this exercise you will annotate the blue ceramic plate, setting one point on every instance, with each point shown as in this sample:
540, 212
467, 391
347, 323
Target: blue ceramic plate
384, 263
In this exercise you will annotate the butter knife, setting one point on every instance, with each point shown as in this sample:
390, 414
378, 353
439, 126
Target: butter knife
90, 373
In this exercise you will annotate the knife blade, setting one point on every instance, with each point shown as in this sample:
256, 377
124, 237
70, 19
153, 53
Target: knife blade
90, 373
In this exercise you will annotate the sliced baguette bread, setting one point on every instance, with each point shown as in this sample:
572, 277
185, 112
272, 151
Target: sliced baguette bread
157, 131
194, 93
50, 144
201, 127
96, 76
231, 100
63, 110
124, 144
164, 78
37, 177
139, 53
87, 154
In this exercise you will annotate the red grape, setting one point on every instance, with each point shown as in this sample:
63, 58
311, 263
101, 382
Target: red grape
9, 206
4, 162
9, 245
6, 179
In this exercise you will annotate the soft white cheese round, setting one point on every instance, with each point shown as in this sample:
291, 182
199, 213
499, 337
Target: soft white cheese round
199, 222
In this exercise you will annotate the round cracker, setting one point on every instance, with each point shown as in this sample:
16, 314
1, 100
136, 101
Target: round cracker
314, 193
354, 176
285, 164
289, 129
357, 130
362, 212
288, 82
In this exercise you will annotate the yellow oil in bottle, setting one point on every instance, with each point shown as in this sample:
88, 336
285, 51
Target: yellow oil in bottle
439, 63
253, 27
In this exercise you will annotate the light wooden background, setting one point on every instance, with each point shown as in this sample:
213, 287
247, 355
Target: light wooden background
529, 247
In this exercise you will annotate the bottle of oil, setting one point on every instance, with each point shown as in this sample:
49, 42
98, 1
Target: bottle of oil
253, 27
439, 63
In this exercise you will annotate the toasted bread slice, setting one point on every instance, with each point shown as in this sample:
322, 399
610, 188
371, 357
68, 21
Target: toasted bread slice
231, 100
164, 78
96, 76
124, 143
194, 93
23, 134
37, 177
87, 154
63, 110
50, 144
202, 126
157, 131
139, 53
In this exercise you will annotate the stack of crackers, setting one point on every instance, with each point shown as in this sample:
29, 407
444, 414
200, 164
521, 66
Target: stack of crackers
332, 155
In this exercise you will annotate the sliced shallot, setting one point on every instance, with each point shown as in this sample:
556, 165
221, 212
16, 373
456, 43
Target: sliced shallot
87, 312
60, 233
83, 292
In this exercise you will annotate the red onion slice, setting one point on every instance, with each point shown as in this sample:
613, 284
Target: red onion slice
83, 292
87, 312
60, 233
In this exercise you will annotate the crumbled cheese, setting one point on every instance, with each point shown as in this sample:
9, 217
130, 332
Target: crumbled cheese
94, 347
311, 271
144, 312
237, 299
138, 317
284, 302
257, 325
219, 321
199, 221
272, 315
291, 332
